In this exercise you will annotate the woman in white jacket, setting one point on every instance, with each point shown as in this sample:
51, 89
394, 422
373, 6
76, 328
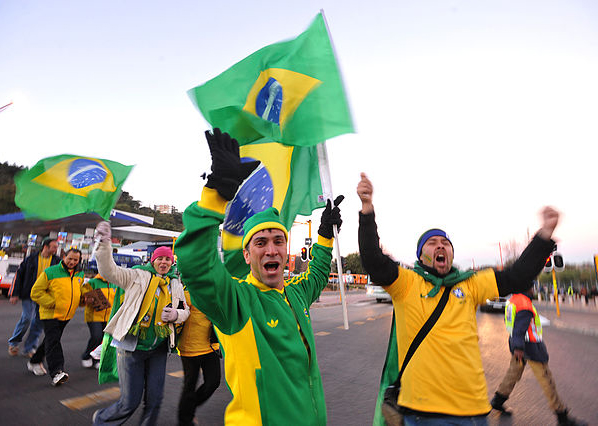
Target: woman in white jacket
142, 329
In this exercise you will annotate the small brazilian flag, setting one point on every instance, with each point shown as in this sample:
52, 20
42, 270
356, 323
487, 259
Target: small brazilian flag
289, 92
66, 185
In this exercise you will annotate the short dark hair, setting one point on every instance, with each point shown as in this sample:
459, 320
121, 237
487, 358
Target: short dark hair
47, 241
73, 250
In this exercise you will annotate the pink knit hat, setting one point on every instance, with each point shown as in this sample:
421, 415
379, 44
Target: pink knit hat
162, 251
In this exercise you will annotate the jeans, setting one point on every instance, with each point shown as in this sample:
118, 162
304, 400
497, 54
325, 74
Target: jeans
29, 320
191, 398
138, 371
51, 348
413, 420
96, 334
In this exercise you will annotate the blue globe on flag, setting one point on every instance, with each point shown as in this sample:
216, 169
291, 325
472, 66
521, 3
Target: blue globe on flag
255, 195
84, 172
268, 102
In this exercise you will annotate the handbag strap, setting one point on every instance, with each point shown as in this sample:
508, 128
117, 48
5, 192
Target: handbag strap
423, 332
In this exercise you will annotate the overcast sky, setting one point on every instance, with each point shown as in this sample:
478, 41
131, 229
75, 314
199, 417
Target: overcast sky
470, 115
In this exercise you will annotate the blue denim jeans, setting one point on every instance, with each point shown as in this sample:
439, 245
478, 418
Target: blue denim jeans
413, 420
29, 320
138, 371
96, 334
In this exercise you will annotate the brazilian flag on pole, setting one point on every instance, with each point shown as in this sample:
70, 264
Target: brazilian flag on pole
66, 185
287, 179
290, 92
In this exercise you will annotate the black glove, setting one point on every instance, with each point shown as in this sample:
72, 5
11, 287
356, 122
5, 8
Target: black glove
227, 170
331, 216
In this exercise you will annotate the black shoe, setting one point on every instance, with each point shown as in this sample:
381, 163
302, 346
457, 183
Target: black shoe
565, 419
497, 403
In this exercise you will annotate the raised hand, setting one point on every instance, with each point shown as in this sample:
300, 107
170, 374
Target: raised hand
550, 219
228, 172
330, 217
103, 231
365, 192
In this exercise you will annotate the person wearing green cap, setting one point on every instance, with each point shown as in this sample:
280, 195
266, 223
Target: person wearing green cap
262, 321
444, 381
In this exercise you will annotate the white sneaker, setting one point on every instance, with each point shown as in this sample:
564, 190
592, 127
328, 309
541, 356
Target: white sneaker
59, 378
37, 369
87, 363
96, 353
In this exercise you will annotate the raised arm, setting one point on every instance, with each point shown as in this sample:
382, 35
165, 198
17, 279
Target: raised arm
315, 278
121, 277
381, 268
212, 289
519, 277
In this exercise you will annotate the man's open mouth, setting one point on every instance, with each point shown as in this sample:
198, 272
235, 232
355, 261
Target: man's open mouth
271, 266
440, 258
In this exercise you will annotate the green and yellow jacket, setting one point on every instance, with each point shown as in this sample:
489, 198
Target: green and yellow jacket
57, 291
265, 334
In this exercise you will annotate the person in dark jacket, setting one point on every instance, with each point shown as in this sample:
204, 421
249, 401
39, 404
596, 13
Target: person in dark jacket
29, 270
527, 347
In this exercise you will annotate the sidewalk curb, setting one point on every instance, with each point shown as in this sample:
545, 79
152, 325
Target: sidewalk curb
323, 303
587, 331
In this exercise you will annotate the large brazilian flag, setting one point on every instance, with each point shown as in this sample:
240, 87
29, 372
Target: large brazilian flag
287, 179
66, 185
290, 92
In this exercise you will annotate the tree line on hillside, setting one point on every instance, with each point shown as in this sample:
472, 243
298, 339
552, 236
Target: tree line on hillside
172, 222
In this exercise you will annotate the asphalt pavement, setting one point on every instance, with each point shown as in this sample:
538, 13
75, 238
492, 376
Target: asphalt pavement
350, 373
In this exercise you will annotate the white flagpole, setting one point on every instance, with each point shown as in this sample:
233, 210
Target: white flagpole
328, 195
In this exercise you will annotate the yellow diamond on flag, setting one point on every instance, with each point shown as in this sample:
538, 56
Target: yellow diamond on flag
78, 176
277, 93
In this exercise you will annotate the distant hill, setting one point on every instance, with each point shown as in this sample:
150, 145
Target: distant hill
126, 202
7, 187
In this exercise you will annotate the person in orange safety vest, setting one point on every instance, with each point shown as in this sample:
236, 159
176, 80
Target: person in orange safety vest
526, 346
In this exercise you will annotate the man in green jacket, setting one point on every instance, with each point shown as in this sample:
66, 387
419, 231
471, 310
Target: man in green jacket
262, 321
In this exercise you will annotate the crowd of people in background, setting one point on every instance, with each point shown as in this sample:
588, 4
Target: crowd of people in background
51, 288
137, 316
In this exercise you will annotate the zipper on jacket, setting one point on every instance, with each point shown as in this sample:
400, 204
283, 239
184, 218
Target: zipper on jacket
71, 304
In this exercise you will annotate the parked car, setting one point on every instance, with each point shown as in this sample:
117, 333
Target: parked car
378, 292
8, 268
495, 305
125, 260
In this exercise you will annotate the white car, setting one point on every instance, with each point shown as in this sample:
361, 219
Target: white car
495, 305
378, 292
8, 267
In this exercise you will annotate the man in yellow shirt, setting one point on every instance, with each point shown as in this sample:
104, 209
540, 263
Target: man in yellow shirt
444, 382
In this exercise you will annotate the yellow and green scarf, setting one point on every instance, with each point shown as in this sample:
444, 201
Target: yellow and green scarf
158, 287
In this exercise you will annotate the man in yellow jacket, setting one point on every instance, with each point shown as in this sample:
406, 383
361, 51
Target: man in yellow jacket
57, 291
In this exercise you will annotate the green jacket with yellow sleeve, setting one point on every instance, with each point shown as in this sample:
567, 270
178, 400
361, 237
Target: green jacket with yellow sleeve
265, 334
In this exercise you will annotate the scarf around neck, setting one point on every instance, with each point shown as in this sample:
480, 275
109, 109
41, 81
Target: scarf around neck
453, 277
164, 295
